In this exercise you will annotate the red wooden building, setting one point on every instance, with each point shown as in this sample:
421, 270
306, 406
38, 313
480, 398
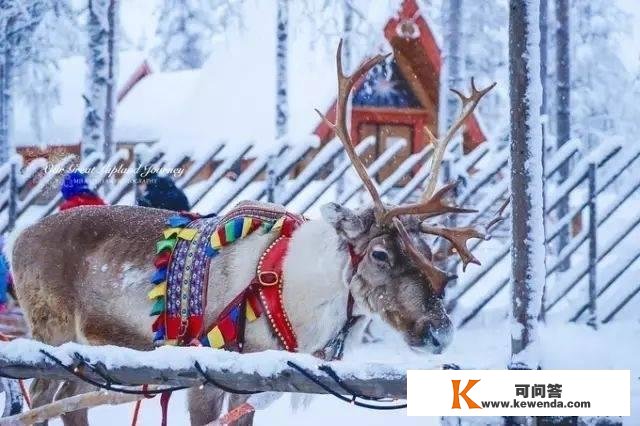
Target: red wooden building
397, 98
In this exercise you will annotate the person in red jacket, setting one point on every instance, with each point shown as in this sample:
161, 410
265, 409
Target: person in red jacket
76, 192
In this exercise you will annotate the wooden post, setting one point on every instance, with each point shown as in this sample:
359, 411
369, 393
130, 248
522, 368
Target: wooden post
593, 246
527, 218
563, 113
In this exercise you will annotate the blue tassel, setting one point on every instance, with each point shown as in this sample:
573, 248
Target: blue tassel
159, 276
159, 335
178, 221
234, 314
211, 252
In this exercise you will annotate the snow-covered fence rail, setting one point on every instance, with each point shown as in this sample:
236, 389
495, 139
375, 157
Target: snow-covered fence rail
579, 176
117, 368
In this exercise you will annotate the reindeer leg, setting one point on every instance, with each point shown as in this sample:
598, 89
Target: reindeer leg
74, 418
205, 405
42, 392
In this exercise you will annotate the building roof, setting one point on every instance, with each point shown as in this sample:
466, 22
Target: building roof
232, 97
418, 58
65, 126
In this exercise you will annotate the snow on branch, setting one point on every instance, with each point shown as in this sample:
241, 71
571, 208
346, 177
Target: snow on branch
185, 367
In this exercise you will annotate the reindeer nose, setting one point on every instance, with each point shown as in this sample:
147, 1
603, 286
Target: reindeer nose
438, 334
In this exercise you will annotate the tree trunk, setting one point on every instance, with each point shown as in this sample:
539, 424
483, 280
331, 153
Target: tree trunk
563, 119
450, 78
527, 219
6, 98
347, 59
282, 102
97, 86
112, 71
544, 39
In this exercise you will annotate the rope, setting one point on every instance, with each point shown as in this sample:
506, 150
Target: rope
329, 371
351, 400
210, 380
136, 411
108, 386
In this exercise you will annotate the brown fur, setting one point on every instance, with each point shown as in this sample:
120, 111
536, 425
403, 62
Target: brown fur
82, 276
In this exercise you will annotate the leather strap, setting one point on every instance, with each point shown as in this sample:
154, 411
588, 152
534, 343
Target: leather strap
268, 283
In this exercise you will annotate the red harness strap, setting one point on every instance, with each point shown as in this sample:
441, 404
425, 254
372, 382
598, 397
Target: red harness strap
265, 295
268, 284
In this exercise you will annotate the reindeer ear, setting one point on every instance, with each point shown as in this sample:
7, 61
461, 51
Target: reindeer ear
348, 224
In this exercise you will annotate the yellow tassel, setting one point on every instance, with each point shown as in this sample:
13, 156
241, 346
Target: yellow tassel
215, 338
251, 316
188, 234
278, 225
246, 226
173, 342
215, 241
158, 290
170, 232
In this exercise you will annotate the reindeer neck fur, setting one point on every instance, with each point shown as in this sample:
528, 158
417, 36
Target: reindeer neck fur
315, 291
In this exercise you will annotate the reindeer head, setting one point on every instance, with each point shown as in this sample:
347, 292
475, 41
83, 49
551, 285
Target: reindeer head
397, 278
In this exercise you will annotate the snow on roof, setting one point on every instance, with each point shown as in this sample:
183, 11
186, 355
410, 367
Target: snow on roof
65, 125
233, 96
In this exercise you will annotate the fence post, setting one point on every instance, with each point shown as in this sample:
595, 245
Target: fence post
13, 198
593, 246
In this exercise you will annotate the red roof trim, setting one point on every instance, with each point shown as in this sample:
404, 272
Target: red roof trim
410, 11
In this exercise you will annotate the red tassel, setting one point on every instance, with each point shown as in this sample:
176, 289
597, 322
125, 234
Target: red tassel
228, 329
162, 260
158, 322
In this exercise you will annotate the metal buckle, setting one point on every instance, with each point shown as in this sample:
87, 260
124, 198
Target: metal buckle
268, 278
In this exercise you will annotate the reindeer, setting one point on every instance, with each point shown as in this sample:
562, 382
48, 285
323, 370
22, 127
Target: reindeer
82, 275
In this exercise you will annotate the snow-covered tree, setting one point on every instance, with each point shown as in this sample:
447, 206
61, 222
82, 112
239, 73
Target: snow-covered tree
484, 37
54, 38
282, 101
186, 29
19, 19
603, 103
102, 63
528, 269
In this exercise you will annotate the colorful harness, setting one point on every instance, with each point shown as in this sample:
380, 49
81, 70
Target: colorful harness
182, 265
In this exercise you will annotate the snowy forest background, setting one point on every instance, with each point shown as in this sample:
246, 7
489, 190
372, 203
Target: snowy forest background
182, 34
590, 76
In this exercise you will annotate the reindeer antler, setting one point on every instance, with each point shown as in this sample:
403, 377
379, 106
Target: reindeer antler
430, 206
345, 84
469, 104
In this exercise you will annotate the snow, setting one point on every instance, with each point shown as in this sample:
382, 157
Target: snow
482, 346
232, 96
66, 117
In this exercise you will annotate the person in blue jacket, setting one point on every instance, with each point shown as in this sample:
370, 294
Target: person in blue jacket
6, 281
160, 192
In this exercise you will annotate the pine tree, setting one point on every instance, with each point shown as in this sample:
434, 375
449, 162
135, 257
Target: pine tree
527, 219
186, 29
102, 62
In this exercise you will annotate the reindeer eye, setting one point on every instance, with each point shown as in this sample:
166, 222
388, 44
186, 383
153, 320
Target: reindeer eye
380, 255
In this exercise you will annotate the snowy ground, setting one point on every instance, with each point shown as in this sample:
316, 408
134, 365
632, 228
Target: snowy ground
563, 346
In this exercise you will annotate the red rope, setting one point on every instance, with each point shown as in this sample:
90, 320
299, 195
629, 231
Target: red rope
136, 411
